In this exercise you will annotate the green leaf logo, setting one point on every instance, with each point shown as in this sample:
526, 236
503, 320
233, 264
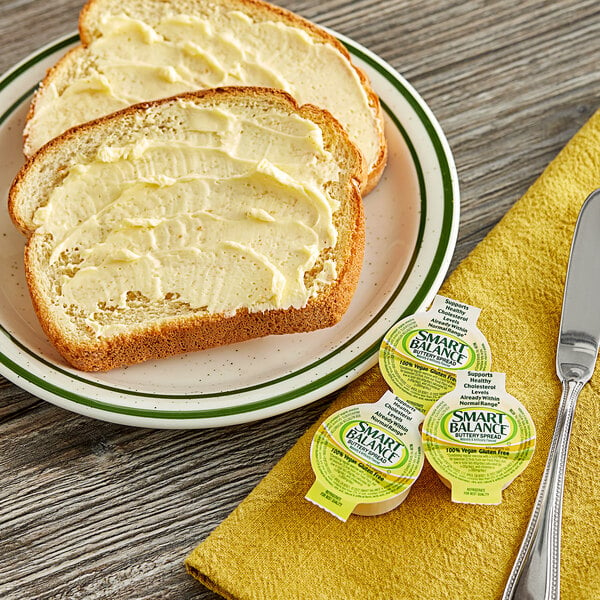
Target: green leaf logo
439, 349
373, 444
479, 426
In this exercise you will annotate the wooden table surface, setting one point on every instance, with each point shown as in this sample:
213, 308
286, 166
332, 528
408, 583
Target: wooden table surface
91, 510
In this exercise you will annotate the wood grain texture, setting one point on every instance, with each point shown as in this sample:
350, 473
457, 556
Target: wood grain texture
94, 510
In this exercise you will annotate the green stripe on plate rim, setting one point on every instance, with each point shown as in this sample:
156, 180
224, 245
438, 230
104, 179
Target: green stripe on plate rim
445, 234
365, 355
20, 68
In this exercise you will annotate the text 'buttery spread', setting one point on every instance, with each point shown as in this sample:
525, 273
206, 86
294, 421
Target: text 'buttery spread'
189, 217
366, 457
478, 438
421, 355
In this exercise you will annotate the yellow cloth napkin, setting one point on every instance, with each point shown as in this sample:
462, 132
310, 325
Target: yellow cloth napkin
278, 546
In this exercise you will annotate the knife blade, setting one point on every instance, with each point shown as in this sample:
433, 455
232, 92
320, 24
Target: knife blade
580, 322
536, 571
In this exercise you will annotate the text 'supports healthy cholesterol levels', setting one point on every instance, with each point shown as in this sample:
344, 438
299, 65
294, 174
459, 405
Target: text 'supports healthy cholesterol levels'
420, 356
478, 438
366, 457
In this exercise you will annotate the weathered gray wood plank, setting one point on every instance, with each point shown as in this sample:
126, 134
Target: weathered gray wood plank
94, 510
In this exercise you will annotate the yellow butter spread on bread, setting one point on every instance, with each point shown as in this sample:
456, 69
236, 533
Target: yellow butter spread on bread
145, 55
192, 215
185, 223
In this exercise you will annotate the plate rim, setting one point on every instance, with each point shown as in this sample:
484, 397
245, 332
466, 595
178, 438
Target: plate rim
312, 390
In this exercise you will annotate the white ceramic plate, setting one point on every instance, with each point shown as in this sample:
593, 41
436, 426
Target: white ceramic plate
412, 223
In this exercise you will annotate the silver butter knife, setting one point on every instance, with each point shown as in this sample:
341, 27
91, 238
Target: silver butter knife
536, 572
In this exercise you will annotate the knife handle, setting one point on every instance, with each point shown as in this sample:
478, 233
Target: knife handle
536, 572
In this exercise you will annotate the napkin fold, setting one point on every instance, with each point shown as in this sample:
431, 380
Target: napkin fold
278, 546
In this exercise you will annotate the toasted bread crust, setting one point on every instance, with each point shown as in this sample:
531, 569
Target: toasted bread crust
200, 333
51, 75
186, 334
260, 10
26, 226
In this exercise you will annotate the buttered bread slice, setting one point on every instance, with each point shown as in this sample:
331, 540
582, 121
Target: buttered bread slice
138, 50
190, 222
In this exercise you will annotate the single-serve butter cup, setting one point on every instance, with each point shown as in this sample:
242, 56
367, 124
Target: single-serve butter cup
366, 457
420, 356
478, 438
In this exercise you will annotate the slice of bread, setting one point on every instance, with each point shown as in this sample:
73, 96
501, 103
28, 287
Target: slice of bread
138, 50
185, 223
